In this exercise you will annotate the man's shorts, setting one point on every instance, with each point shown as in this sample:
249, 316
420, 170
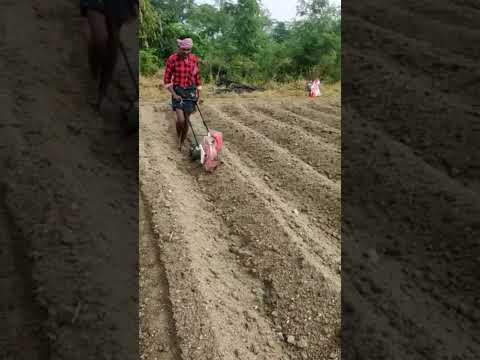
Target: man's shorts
189, 96
116, 8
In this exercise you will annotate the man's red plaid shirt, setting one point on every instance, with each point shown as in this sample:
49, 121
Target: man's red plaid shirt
182, 72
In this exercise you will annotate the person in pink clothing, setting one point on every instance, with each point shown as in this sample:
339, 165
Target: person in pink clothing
315, 88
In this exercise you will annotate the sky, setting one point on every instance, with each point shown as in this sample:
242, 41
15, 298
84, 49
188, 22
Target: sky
285, 10
282, 10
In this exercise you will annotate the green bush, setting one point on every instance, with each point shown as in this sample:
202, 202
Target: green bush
149, 62
238, 41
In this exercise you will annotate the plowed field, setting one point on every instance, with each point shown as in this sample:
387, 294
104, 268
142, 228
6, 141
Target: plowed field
410, 180
249, 255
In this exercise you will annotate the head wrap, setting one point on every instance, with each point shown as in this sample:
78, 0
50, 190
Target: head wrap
185, 43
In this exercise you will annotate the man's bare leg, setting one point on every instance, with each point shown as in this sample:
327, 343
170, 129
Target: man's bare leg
97, 46
185, 127
180, 126
110, 60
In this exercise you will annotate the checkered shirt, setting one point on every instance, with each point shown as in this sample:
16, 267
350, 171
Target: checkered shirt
182, 72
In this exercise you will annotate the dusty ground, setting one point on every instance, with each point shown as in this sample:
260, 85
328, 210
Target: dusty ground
68, 194
410, 199
245, 263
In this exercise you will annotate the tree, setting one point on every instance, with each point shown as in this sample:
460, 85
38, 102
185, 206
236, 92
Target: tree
247, 27
239, 40
150, 25
280, 32
150, 33
207, 20
316, 9
174, 10
314, 46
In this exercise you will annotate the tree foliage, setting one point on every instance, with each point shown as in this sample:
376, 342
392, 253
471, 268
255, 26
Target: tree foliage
239, 41
151, 24
317, 9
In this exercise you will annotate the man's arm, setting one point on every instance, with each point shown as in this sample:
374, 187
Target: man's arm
198, 80
168, 74
168, 78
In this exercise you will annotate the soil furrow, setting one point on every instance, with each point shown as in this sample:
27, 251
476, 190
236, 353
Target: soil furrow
78, 224
429, 304
325, 109
409, 261
324, 125
437, 33
232, 311
196, 337
320, 250
459, 205
426, 133
426, 308
449, 15
321, 155
278, 261
468, 5
21, 316
157, 329
419, 57
308, 112
320, 124
283, 172
261, 258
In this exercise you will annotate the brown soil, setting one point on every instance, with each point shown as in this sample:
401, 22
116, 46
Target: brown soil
68, 193
251, 253
410, 185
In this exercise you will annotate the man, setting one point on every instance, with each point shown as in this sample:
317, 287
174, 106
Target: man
105, 19
182, 80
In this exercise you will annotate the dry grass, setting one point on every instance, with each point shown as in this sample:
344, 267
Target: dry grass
151, 89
